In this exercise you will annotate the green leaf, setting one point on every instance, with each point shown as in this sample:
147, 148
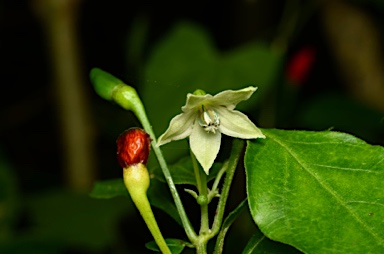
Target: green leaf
232, 216
321, 192
176, 246
158, 194
259, 243
109, 189
182, 172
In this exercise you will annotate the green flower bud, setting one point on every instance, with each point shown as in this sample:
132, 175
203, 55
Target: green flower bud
202, 200
199, 92
113, 89
104, 83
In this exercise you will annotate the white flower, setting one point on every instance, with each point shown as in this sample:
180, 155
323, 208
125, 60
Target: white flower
205, 117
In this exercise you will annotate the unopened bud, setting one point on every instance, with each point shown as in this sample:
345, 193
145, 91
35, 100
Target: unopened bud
202, 200
133, 147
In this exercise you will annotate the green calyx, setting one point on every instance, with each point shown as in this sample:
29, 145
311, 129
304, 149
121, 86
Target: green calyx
202, 200
126, 96
199, 92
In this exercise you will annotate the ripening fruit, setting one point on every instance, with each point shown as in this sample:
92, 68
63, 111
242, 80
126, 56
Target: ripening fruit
133, 147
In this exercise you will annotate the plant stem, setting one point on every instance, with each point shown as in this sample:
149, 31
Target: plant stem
237, 148
137, 181
196, 170
201, 179
142, 116
204, 226
201, 247
127, 97
212, 193
150, 220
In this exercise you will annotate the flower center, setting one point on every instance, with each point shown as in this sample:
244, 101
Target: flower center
209, 119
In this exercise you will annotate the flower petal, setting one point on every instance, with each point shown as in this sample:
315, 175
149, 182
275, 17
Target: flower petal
194, 101
180, 127
231, 98
235, 124
205, 146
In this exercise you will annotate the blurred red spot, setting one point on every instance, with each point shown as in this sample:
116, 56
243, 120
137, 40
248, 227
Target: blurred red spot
300, 64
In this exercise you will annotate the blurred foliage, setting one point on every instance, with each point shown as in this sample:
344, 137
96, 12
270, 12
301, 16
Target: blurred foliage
58, 221
339, 112
9, 198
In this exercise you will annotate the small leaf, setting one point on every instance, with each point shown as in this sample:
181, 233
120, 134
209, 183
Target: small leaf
109, 189
232, 216
321, 192
259, 243
176, 246
159, 196
182, 172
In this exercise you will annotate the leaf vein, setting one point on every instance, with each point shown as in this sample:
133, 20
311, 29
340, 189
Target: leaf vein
342, 168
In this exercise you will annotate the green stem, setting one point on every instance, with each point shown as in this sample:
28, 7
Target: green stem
212, 193
137, 181
201, 179
127, 97
201, 247
150, 220
204, 226
179, 205
237, 148
196, 170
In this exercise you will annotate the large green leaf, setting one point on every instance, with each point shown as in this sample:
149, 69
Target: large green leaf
321, 192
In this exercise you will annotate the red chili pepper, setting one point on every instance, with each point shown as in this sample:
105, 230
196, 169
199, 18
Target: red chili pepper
300, 64
133, 147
